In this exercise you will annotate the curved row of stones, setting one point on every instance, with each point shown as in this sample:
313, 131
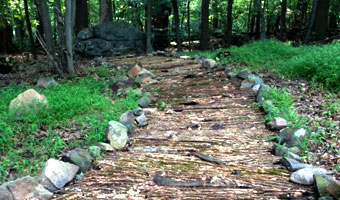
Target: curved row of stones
72, 165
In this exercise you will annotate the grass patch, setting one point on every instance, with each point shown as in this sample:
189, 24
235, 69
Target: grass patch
87, 104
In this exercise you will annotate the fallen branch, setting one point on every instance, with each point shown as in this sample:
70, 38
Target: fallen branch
206, 158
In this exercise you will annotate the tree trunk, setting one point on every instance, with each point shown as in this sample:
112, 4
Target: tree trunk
283, 19
29, 28
262, 20
178, 31
250, 16
82, 15
68, 34
60, 30
149, 48
105, 11
229, 24
204, 40
215, 14
311, 21
321, 19
188, 24
301, 9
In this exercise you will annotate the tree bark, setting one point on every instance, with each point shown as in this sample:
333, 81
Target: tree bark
215, 14
229, 24
29, 28
204, 40
177, 29
262, 20
311, 21
321, 19
105, 11
60, 30
82, 15
149, 48
249, 15
188, 24
283, 19
68, 34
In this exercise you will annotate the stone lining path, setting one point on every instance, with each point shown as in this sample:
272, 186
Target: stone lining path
164, 146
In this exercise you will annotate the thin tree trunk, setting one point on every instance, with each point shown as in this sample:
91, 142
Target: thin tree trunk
68, 34
29, 28
215, 14
149, 48
283, 18
321, 19
82, 15
204, 41
60, 30
262, 20
249, 15
311, 21
229, 24
188, 24
105, 11
178, 31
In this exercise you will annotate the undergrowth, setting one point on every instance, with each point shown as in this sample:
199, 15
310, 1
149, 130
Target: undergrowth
77, 114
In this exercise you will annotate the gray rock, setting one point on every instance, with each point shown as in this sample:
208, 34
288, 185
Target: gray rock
28, 188
277, 124
45, 81
293, 165
258, 80
80, 176
327, 186
59, 173
285, 152
267, 105
326, 198
26, 102
144, 74
141, 121
244, 74
94, 151
138, 112
295, 150
5, 194
208, 63
256, 88
292, 136
79, 157
117, 135
144, 102
86, 33
231, 75
259, 98
105, 147
247, 83
305, 176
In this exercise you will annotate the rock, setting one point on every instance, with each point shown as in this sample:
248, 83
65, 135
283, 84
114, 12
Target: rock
143, 74
59, 173
117, 135
305, 176
105, 147
267, 106
256, 88
110, 39
292, 136
26, 101
79, 157
327, 186
80, 176
159, 53
45, 81
295, 150
247, 83
208, 63
193, 125
217, 126
141, 121
326, 198
138, 112
244, 74
144, 102
231, 75
134, 71
185, 57
285, 152
277, 124
128, 120
94, 151
5, 194
259, 98
27, 188
258, 80
293, 165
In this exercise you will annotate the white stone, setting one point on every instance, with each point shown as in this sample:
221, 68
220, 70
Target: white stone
305, 176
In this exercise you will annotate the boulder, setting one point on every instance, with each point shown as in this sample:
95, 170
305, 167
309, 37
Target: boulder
258, 80
58, 173
5, 194
256, 88
244, 74
110, 39
327, 186
46, 81
277, 124
79, 157
105, 147
247, 83
128, 120
134, 71
305, 176
144, 74
117, 135
144, 102
293, 164
292, 136
141, 121
285, 152
208, 63
94, 151
26, 102
259, 98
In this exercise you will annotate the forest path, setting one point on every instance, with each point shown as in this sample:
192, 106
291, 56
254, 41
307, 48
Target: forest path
163, 147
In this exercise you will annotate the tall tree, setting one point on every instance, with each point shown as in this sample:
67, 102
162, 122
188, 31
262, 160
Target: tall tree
229, 24
68, 34
177, 29
60, 31
149, 48
262, 19
215, 14
321, 19
105, 11
204, 40
311, 21
82, 15
29, 28
188, 23
283, 18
